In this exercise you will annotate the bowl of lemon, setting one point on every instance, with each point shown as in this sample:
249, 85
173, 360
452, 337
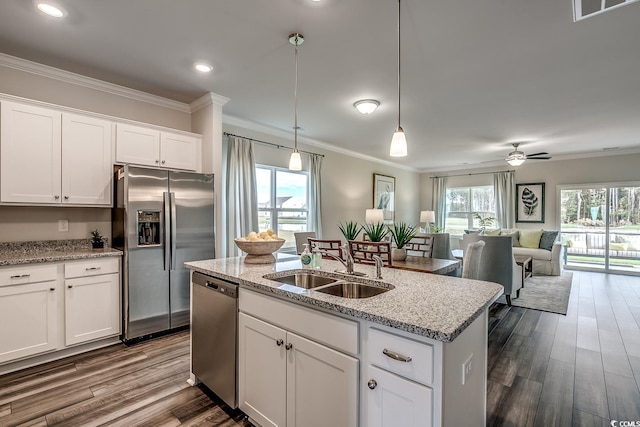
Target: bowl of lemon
259, 247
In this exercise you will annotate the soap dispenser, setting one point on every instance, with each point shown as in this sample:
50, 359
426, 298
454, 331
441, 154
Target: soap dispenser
305, 257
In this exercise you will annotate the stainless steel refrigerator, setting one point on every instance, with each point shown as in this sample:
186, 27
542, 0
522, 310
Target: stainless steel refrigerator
160, 220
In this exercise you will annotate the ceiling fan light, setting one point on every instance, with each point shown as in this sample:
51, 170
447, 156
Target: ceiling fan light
295, 161
398, 144
366, 106
516, 158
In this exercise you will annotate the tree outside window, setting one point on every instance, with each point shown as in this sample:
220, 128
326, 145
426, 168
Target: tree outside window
463, 203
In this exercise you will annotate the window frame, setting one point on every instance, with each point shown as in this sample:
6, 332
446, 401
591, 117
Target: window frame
469, 214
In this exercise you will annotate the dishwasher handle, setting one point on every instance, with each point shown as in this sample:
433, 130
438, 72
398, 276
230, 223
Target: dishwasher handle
214, 284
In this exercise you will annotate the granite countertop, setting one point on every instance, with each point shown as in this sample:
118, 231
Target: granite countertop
17, 253
430, 305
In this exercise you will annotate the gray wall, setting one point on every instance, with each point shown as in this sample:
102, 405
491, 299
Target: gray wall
347, 182
554, 173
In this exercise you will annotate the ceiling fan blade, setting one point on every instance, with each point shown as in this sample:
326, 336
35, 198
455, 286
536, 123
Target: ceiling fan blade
537, 154
538, 158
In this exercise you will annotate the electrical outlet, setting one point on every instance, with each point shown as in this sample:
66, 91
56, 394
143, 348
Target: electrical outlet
63, 225
467, 369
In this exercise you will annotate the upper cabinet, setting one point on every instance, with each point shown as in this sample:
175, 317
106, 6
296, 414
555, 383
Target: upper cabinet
151, 147
49, 157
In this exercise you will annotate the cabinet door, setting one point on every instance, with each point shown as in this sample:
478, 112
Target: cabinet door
137, 145
28, 319
178, 151
322, 385
262, 371
92, 308
86, 160
30, 139
396, 401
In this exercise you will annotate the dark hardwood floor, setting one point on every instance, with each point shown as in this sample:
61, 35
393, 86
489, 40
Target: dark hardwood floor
544, 369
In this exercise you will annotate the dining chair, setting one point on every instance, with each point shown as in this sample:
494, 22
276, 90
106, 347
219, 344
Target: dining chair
420, 245
363, 252
471, 260
333, 247
301, 239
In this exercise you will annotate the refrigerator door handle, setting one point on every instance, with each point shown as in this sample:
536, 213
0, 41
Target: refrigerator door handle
172, 196
167, 230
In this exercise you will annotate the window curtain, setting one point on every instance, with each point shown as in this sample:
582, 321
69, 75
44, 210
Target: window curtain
504, 191
315, 194
439, 200
240, 204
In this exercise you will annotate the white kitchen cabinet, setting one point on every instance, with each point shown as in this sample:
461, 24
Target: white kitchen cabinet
92, 300
289, 380
151, 147
30, 154
49, 157
87, 168
28, 311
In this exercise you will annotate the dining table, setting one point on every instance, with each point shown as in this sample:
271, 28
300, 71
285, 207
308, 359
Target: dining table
427, 265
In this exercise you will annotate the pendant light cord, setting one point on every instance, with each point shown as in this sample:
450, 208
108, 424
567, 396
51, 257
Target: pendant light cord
399, 65
295, 101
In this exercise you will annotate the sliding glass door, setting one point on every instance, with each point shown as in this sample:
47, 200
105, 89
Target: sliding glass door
600, 227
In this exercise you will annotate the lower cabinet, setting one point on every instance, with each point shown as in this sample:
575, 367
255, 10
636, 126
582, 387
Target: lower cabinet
288, 380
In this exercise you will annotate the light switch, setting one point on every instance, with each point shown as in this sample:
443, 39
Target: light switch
63, 225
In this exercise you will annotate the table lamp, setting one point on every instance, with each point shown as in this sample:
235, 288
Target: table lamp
428, 217
374, 216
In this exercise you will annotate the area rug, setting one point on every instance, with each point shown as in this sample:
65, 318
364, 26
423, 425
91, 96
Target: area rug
544, 293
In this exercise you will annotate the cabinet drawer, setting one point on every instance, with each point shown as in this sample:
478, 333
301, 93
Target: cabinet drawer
91, 267
31, 273
384, 349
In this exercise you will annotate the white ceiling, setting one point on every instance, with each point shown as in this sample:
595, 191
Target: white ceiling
476, 74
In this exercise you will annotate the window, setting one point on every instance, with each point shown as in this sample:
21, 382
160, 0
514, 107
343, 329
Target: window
585, 8
463, 202
283, 204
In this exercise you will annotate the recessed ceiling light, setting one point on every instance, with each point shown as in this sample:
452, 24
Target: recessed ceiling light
366, 106
202, 67
51, 10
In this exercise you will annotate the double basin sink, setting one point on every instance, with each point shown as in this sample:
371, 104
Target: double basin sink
340, 287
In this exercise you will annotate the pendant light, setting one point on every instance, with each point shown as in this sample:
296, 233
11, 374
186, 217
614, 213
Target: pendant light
295, 162
398, 141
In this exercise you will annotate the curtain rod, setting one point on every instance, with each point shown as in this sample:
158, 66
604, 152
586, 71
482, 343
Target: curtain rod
270, 143
469, 174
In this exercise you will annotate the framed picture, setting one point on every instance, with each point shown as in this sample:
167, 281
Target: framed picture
530, 202
384, 188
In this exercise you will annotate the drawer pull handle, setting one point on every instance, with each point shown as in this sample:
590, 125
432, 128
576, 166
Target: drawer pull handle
20, 276
92, 268
372, 384
70, 286
289, 346
396, 356
52, 289
279, 342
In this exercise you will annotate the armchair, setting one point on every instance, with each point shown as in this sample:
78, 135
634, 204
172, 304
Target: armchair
497, 263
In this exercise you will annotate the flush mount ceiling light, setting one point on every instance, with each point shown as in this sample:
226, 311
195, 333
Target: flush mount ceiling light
202, 67
366, 106
50, 9
295, 162
398, 141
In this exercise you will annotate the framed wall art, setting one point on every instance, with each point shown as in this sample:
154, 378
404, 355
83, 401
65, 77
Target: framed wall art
384, 188
530, 202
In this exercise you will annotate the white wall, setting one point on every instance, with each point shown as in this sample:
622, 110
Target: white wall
347, 182
620, 168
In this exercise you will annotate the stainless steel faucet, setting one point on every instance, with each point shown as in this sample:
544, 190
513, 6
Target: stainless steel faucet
378, 261
347, 262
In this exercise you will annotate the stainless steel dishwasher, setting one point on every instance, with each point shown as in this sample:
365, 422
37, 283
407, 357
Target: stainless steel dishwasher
214, 331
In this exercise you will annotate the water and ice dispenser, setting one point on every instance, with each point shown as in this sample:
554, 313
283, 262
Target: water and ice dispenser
149, 231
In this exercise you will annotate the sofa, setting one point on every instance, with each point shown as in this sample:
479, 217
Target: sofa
546, 251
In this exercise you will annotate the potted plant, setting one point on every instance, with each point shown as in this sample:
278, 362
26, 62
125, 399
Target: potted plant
97, 240
484, 222
402, 233
376, 232
350, 230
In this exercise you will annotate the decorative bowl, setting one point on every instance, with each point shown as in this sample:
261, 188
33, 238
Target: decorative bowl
259, 252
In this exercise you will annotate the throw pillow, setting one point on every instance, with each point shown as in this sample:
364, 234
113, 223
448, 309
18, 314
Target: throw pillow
530, 238
547, 239
515, 236
495, 232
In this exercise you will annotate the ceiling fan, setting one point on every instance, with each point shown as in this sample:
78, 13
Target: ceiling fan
517, 157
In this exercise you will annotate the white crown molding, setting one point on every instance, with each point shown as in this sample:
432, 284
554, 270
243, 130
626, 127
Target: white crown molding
89, 82
259, 127
209, 98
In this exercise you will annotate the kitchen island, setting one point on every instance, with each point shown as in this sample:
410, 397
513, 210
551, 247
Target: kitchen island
415, 354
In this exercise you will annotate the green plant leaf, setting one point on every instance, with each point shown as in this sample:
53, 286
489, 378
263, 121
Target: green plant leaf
350, 230
376, 232
402, 233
